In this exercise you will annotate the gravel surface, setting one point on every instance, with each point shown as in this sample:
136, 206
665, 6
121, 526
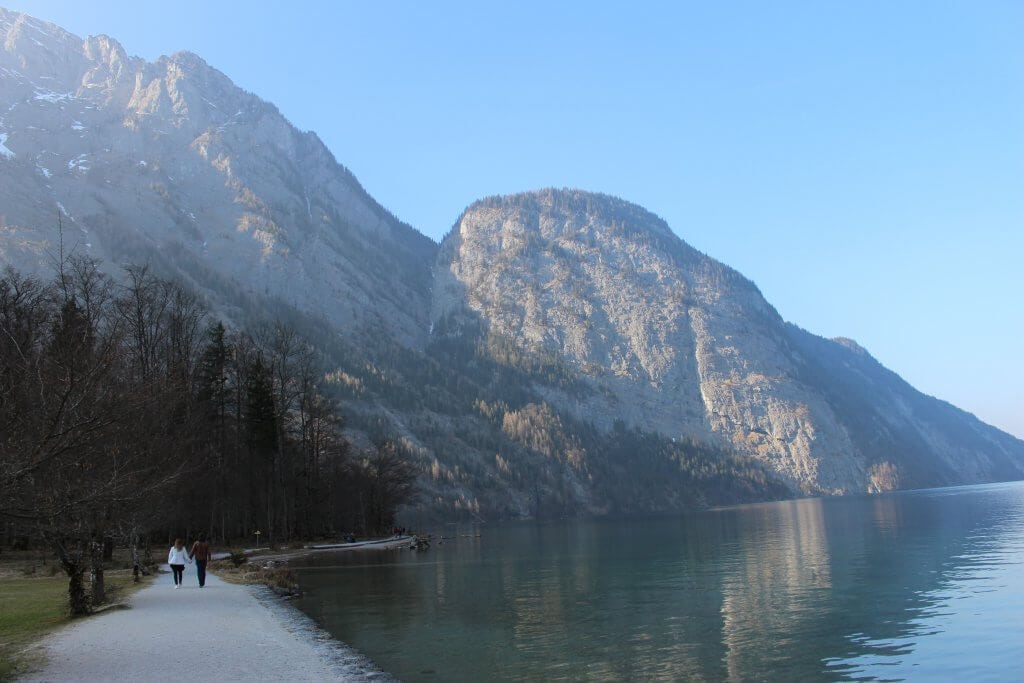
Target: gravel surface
223, 632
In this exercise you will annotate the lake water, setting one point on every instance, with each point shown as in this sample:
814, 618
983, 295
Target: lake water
924, 586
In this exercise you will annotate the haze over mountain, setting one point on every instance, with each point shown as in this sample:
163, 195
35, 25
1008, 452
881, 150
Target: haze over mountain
170, 161
558, 352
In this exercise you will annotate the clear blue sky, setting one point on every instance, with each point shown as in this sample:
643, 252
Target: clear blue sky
862, 162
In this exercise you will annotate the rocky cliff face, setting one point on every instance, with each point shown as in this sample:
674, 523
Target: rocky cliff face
674, 342
561, 352
169, 162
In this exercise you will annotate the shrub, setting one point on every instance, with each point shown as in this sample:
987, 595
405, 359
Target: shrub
237, 558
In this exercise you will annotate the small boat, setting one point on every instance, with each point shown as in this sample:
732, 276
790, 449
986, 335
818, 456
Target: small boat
380, 542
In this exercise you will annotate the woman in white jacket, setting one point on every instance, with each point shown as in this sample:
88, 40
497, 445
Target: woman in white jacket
177, 557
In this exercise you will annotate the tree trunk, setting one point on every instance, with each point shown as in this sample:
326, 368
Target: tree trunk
73, 564
137, 569
99, 589
99, 586
78, 601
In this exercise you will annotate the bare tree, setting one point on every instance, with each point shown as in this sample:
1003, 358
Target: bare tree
113, 402
86, 433
391, 484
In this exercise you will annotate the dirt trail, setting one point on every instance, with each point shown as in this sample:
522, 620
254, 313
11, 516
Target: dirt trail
223, 632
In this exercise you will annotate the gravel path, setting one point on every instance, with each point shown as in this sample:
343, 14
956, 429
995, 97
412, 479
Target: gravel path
222, 632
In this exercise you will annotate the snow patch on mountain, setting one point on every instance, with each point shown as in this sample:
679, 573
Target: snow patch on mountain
52, 96
80, 163
4, 151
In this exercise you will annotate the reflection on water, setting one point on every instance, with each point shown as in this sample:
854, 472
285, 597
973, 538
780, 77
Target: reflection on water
772, 590
922, 585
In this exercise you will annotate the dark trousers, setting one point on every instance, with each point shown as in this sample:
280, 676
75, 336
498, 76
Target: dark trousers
201, 571
178, 570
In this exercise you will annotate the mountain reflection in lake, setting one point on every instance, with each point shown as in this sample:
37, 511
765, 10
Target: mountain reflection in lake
920, 585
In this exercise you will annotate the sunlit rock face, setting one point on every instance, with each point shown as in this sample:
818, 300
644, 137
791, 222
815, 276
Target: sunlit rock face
673, 341
169, 162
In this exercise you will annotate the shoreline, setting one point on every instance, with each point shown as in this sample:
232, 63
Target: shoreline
357, 665
286, 554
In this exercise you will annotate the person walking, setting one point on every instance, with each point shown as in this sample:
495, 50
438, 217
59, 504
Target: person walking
201, 554
177, 557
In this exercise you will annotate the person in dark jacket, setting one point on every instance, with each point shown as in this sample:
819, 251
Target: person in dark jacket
201, 554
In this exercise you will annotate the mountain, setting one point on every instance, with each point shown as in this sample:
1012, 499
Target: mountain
560, 352
673, 342
171, 163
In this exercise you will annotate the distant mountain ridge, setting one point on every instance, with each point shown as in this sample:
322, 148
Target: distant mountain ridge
560, 352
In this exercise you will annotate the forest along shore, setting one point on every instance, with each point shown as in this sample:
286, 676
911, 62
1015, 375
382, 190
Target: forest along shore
227, 631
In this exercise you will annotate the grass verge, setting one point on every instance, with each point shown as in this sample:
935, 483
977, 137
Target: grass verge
30, 608
279, 579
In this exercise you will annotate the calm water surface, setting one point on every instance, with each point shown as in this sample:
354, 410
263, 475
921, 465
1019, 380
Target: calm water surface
922, 586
